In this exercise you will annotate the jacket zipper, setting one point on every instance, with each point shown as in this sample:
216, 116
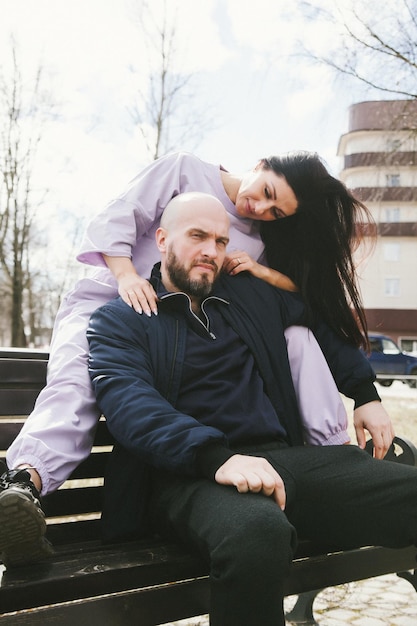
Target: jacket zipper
205, 326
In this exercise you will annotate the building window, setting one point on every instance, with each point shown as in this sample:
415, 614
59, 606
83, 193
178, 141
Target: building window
392, 287
393, 180
409, 345
392, 215
391, 251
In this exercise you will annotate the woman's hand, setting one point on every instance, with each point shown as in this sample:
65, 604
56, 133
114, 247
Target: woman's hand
133, 289
138, 293
240, 261
373, 417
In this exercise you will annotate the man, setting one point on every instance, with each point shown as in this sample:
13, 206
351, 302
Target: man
200, 401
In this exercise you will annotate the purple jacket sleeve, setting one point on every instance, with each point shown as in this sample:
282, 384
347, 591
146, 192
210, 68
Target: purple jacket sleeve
115, 230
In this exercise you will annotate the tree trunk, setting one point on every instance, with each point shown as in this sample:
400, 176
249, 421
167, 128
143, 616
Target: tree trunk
18, 329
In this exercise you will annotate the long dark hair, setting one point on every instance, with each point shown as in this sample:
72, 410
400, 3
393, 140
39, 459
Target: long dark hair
315, 246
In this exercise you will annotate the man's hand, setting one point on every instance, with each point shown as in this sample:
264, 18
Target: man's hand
252, 473
373, 417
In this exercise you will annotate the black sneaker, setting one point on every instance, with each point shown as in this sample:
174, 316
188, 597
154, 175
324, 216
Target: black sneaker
22, 521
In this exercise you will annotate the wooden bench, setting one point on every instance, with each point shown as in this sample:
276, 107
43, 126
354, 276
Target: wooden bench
144, 583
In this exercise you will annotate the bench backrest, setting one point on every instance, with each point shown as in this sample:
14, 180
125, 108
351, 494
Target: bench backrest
73, 511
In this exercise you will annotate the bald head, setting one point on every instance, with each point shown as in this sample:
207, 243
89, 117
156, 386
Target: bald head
192, 240
187, 205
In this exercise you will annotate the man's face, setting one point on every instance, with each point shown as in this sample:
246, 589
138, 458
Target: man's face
195, 251
195, 284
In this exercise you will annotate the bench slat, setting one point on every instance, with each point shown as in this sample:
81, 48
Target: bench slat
18, 401
8, 432
73, 501
22, 376
76, 532
146, 607
343, 566
23, 371
22, 354
91, 467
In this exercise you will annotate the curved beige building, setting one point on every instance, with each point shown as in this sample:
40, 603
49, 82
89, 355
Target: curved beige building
379, 154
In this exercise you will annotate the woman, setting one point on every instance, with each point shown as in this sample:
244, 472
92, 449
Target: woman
59, 433
315, 246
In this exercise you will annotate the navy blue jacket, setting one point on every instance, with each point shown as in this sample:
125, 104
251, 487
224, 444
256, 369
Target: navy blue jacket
136, 365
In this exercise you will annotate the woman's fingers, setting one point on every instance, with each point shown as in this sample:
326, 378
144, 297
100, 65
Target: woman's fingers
139, 294
237, 261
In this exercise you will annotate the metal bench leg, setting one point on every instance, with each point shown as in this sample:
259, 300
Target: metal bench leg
410, 576
302, 611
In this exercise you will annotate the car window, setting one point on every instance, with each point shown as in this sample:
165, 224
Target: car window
389, 347
376, 345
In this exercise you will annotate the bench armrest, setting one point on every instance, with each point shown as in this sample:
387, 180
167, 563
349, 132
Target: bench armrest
401, 451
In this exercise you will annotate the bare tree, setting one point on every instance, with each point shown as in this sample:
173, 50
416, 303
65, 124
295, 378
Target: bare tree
165, 111
22, 112
374, 45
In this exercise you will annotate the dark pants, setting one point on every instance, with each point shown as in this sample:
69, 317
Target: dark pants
336, 494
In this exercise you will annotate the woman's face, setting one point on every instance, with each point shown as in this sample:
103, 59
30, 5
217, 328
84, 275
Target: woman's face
263, 195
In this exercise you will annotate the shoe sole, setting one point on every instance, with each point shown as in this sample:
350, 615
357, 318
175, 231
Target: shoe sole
22, 530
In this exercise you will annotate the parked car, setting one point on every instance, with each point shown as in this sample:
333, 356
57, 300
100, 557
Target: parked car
387, 359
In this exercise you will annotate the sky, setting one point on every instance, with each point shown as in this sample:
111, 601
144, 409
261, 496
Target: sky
261, 98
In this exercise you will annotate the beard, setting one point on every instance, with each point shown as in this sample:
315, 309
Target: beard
179, 276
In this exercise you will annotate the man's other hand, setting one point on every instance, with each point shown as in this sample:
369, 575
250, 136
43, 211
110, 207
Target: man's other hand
252, 473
